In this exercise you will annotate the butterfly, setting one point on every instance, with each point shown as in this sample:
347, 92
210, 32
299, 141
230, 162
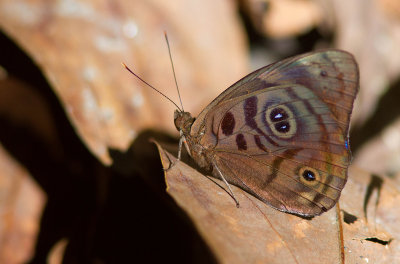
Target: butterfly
280, 133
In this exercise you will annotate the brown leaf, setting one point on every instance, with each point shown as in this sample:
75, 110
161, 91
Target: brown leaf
373, 36
21, 205
381, 154
255, 232
283, 18
391, 7
368, 229
371, 202
80, 45
56, 254
24, 106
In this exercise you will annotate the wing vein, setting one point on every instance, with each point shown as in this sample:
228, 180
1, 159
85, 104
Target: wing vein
268, 165
285, 187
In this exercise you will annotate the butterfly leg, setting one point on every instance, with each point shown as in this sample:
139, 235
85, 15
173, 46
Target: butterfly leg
182, 139
226, 183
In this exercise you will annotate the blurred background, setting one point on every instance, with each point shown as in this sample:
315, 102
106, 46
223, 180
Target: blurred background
79, 180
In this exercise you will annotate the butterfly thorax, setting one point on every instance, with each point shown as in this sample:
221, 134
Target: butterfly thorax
183, 123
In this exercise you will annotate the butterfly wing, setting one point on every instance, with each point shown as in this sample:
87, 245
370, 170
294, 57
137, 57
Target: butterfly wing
279, 135
270, 142
332, 74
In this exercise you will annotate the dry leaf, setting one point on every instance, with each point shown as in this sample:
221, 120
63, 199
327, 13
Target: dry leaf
373, 36
56, 254
21, 199
24, 106
257, 233
21, 205
391, 7
381, 154
372, 233
283, 18
79, 45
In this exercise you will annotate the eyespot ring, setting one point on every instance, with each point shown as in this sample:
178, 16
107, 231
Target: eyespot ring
285, 125
309, 176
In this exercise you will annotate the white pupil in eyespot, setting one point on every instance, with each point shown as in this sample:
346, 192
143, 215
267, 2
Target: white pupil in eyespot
279, 115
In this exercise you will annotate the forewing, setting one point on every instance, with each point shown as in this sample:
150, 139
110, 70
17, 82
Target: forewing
331, 74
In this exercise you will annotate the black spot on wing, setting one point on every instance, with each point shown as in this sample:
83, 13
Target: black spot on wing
228, 124
241, 142
250, 111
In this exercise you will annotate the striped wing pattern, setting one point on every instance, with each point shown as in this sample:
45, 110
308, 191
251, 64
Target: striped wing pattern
254, 156
281, 133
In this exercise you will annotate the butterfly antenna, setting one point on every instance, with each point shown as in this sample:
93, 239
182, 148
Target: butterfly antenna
173, 68
137, 76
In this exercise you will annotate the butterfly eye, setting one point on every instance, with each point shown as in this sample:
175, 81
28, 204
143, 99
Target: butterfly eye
309, 176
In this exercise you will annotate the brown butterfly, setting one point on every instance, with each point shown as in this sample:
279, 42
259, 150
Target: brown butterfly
281, 132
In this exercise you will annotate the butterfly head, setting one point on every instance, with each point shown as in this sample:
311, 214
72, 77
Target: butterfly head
183, 121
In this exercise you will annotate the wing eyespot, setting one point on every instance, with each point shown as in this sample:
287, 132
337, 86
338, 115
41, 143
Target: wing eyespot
309, 176
278, 114
282, 127
281, 121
